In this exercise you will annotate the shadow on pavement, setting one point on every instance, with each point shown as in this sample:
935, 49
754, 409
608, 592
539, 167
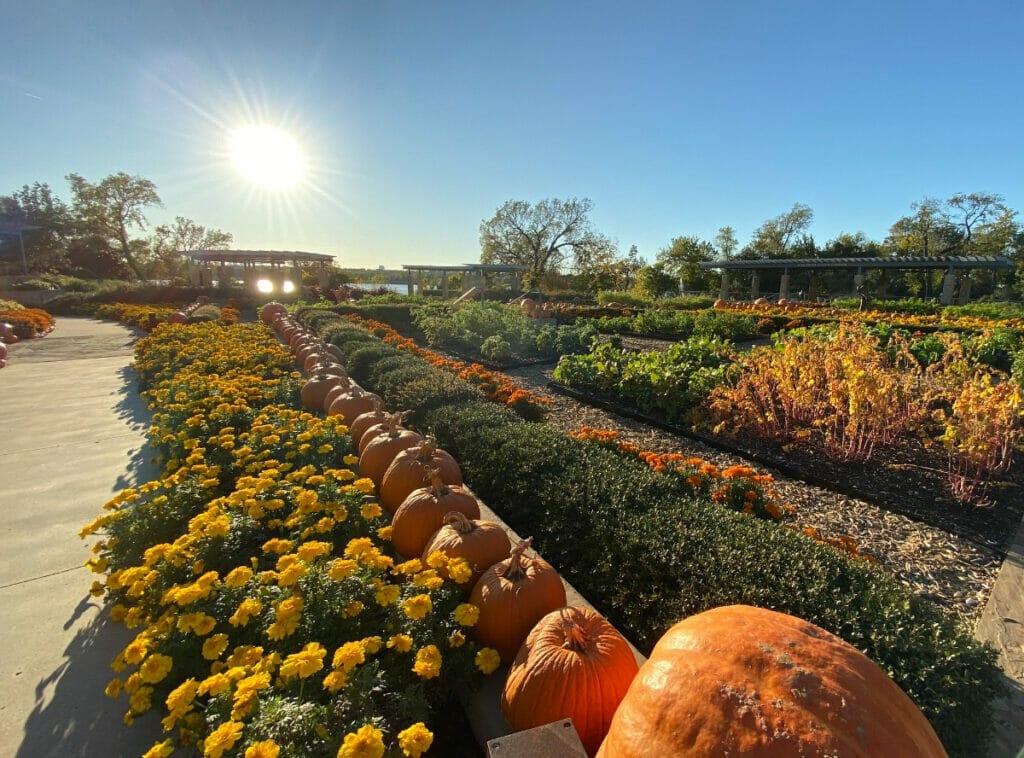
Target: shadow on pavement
134, 411
77, 719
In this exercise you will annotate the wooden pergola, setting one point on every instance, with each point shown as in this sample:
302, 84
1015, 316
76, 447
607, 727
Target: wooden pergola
950, 264
278, 267
472, 274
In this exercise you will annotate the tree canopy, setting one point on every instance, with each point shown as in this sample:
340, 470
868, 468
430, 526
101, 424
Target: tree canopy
541, 236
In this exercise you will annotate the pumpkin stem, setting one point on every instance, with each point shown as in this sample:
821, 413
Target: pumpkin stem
437, 487
426, 449
459, 521
516, 568
574, 637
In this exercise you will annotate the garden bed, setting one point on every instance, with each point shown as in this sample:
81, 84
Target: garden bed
909, 480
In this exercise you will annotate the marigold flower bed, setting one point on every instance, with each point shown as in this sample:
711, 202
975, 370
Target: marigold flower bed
273, 616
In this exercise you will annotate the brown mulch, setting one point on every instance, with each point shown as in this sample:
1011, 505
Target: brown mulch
951, 561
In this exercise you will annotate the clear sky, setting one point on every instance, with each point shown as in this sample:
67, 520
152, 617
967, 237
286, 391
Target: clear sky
418, 119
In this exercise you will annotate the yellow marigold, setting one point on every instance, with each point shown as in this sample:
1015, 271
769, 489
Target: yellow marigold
238, 577
214, 685
371, 645
306, 499
348, 656
278, 546
263, 749
370, 511
222, 739
456, 639
139, 701
309, 550
113, 688
215, 646
325, 448
292, 574
387, 594
160, 750
246, 610
384, 533
417, 606
410, 567
155, 668
364, 485
350, 460
400, 642
428, 662
335, 680
341, 568
304, 663
368, 742
415, 740
466, 614
352, 610
136, 650
459, 570
487, 660
359, 546
428, 579
437, 560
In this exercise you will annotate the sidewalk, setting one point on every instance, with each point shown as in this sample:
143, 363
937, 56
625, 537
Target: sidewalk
72, 435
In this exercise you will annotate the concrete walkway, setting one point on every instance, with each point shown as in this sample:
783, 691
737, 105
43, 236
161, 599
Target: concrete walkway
72, 435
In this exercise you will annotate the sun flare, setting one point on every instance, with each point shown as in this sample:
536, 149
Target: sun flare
268, 157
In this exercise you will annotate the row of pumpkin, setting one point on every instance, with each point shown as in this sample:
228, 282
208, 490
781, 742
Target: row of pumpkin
732, 679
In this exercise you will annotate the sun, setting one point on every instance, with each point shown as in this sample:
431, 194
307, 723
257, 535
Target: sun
268, 157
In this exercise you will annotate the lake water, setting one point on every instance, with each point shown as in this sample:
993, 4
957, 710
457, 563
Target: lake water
400, 287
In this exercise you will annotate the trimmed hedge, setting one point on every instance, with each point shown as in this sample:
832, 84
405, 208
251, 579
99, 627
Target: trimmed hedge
647, 554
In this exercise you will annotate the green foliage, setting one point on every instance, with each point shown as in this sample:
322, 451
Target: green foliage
653, 282
497, 333
624, 297
671, 381
676, 324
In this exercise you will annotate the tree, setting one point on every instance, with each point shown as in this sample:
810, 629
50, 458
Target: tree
777, 237
540, 237
726, 242
163, 257
927, 231
682, 260
110, 208
45, 246
654, 281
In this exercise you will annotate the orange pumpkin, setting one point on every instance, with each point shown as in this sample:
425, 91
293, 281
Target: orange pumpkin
757, 682
364, 421
574, 664
377, 455
423, 513
481, 543
406, 473
316, 388
513, 596
351, 404
177, 318
270, 311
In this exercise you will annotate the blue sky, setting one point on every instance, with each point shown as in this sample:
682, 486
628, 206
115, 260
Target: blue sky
418, 119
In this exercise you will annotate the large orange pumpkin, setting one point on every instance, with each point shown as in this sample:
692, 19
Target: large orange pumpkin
481, 543
574, 664
316, 388
375, 457
513, 596
352, 404
749, 681
406, 473
364, 421
423, 513
270, 311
